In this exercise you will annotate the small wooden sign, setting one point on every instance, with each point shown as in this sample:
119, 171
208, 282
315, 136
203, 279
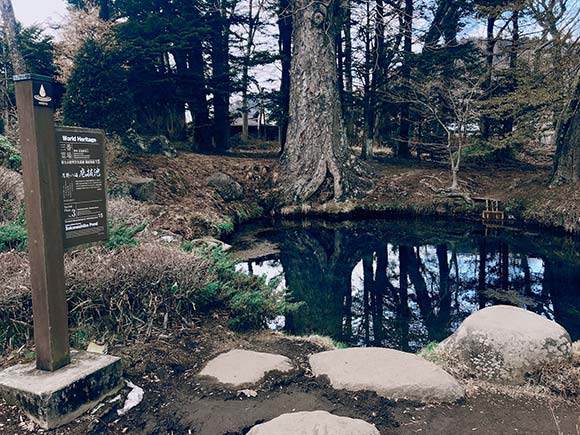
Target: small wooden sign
82, 177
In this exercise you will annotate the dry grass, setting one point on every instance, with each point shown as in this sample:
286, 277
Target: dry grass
134, 292
127, 292
127, 211
11, 194
321, 341
559, 379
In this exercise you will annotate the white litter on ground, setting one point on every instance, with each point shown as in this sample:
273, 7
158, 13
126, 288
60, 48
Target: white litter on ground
134, 397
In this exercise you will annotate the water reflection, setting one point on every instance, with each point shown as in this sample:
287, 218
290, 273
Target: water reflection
403, 284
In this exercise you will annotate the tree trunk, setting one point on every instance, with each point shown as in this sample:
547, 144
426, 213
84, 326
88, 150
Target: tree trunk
317, 153
489, 55
509, 121
567, 157
405, 122
253, 22
285, 42
221, 80
198, 104
348, 102
367, 100
379, 74
7, 12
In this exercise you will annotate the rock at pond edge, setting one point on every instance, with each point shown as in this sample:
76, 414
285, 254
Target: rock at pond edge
504, 344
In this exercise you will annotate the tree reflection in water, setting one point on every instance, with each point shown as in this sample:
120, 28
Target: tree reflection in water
403, 284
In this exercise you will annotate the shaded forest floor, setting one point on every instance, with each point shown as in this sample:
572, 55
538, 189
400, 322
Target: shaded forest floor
165, 365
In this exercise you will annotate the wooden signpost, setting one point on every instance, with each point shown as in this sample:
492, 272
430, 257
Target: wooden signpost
43, 202
65, 199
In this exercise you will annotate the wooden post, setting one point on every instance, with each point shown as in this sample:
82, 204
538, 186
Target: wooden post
43, 201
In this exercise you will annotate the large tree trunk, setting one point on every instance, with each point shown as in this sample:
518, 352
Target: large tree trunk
367, 104
403, 149
567, 158
348, 103
18, 63
221, 80
198, 104
285, 41
317, 153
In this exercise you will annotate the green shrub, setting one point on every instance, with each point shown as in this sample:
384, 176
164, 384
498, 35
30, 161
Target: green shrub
225, 227
98, 94
250, 300
490, 151
9, 155
13, 236
124, 235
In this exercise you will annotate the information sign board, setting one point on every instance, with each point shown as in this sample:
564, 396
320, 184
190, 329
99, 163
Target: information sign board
82, 175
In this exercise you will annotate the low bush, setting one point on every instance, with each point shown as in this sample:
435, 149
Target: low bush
134, 292
125, 210
124, 235
13, 237
9, 155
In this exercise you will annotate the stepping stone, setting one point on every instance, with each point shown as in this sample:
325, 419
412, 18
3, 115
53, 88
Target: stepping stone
504, 344
241, 367
314, 423
390, 373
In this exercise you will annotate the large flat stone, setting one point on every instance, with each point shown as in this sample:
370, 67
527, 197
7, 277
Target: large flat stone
314, 423
52, 399
242, 367
390, 373
504, 344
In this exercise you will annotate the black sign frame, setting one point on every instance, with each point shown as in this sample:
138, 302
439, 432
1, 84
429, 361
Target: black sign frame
82, 175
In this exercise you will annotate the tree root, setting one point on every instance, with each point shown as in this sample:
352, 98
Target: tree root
448, 192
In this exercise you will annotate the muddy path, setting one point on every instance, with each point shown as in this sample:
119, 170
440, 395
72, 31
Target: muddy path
177, 402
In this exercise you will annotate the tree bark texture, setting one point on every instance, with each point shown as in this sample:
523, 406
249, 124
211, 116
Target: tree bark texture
317, 153
221, 80
348, 90
285, 42
18, 63
490, 43
567, 158
403, 149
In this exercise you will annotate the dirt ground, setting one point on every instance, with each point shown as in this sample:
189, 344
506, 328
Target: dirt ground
185, 205
177, 402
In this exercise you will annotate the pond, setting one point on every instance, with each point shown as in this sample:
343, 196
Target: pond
403, 283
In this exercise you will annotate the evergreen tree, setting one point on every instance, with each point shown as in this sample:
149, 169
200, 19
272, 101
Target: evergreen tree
162, 42
98, 94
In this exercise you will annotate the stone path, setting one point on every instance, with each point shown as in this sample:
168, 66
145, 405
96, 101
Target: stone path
243, 367
390, 373
314, 423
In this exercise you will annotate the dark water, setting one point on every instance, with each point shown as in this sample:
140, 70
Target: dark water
405, 283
